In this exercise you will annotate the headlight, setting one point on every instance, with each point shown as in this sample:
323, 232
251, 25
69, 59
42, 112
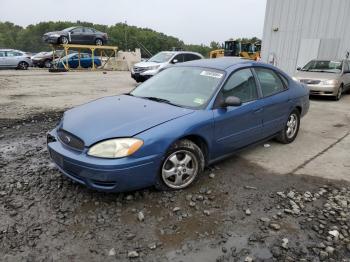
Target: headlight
329, 82
115, 148
153, 67
55, 35
295, 79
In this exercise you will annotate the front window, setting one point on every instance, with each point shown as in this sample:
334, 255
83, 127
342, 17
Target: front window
242, 85
328, 66
161, 57
190, 87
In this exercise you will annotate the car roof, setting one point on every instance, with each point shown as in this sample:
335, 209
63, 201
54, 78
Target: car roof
329, 59
11, 50
182, 52
221, 63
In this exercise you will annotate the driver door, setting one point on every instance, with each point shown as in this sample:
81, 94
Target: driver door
236, 127
77, 36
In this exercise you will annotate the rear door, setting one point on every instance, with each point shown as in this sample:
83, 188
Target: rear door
88, 35
236, 127
276, 99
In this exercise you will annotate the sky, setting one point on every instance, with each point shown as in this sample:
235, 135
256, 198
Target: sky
193, 21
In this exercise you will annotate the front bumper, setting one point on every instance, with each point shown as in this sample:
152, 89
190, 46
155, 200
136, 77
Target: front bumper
108, 175
38, 63
324, 90
139, 77
50, 39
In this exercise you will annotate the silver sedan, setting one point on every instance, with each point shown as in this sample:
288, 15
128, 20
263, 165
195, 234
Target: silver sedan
325, 77
10, 58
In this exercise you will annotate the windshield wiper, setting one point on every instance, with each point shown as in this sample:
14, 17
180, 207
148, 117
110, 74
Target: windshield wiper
160, 100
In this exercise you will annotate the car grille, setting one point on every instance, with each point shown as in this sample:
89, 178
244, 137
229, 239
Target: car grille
139, 69
70, 140
310, 81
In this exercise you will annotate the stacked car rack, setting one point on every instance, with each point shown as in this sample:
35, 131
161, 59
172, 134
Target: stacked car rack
103, 51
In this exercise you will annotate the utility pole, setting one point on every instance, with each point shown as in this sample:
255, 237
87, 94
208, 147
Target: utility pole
125, 35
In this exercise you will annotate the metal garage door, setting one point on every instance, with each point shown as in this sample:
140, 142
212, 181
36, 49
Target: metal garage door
308, 50
328, 48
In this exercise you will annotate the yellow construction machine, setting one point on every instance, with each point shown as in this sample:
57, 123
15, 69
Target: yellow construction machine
238, 48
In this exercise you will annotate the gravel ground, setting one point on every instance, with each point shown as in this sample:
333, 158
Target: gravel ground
237, 211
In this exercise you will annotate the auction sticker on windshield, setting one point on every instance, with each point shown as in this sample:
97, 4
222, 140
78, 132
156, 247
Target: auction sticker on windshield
198, 101
211, 74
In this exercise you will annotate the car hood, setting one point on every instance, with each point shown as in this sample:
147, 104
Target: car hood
316, 75
118, 116
147, 64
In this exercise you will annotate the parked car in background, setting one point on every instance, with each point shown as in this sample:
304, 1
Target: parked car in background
73, 61
10, 58
44, 59
76, 35
326, 77
144, 70
170, 127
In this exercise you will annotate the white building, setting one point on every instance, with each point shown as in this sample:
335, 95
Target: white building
296, 31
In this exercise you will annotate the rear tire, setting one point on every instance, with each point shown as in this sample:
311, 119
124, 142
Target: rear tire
181, 166
291, 128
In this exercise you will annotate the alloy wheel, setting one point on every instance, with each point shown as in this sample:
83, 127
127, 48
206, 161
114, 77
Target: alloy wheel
64, 40
180, 169
23, 65
98, 42
47, 64
340, 92
292, 125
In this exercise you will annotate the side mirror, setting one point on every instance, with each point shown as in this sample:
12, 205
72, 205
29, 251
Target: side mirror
175, 61
298, 68
232, 101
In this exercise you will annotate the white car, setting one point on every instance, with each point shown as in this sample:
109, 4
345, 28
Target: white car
10, 58
144, 70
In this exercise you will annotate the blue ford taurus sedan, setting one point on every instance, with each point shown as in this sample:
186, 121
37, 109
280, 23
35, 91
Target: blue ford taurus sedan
169, 128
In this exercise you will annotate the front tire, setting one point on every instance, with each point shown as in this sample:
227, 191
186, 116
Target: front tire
98, 42
340, 93
181, 167
22, 65
64, 40
291, 128
47, 63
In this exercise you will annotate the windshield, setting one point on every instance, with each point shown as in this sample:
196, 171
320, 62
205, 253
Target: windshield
323, 66
182, 86
161, 57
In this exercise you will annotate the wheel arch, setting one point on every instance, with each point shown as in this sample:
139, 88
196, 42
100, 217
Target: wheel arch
200, 142
299, 108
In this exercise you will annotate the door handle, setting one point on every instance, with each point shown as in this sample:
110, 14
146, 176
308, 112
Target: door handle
256, 111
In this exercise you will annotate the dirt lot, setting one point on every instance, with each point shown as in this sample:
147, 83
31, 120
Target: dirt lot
270, 203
